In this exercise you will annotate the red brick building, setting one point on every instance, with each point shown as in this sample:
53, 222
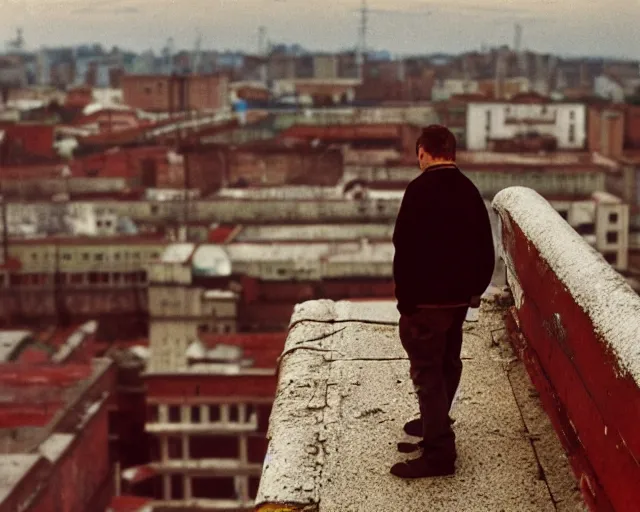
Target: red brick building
22, 142
257, 164
370, 136
605, 130
150, 166
632, 127
55, 437
162, 93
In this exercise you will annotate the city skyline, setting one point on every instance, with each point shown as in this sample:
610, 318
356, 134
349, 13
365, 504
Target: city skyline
402, 28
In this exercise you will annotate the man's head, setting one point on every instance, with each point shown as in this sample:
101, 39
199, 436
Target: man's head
435, 145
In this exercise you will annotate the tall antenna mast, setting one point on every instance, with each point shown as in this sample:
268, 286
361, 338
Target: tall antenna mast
362, 38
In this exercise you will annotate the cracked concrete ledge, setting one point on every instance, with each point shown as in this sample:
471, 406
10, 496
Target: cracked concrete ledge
343, 396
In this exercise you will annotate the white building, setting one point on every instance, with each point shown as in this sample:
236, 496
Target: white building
609, 88
505, 120
443, 89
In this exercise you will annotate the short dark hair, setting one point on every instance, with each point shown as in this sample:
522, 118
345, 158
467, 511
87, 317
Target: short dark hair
438, 141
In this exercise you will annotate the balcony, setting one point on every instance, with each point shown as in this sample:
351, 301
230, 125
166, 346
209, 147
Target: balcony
546, 414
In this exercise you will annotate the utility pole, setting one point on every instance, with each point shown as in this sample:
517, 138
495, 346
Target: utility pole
5, 232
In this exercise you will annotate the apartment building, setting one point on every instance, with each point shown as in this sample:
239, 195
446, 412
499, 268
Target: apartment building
165, 93
67, 279
488, 121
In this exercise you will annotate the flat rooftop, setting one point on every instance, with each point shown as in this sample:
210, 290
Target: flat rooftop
314, 232
344, 394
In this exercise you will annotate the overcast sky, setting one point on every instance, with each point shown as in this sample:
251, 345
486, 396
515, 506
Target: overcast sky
564, 27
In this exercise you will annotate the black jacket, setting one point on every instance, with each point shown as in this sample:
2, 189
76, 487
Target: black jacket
443, 243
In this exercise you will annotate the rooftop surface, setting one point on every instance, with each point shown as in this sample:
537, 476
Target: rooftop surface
344, 394
292, 232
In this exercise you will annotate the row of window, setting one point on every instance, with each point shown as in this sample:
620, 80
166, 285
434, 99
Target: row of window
86, 256
92, 278
196, 413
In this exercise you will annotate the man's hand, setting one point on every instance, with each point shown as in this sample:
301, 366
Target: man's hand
474, 303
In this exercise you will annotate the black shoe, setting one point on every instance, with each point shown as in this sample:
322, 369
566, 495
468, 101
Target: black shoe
423, 467
414, 427
410, 447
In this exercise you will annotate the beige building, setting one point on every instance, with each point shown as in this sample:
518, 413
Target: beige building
603, 221
181, 305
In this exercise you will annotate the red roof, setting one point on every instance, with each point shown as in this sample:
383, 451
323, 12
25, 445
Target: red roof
221, 234
128, 503
51, 375
344, 132
263, 348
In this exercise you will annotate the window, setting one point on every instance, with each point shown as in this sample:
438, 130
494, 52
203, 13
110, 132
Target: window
174, 445
98, 257
254, 484
214, 447
586, 229
66, 256
612, 237
613, 218
234, 414
152, 413
77, 278
195, 414
85, 256
214, 413
174, 414
147, 90
220, 488
251, 411
572, 134
116, 256
572, 115
34, 256
564, 214
611, 257
177, 487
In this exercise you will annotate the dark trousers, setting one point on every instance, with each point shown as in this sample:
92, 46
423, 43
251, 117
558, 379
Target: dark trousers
432, 339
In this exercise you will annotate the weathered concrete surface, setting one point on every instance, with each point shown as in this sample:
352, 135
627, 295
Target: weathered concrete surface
344, 394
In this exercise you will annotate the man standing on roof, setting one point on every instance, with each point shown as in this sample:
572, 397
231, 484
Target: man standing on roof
444, 260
